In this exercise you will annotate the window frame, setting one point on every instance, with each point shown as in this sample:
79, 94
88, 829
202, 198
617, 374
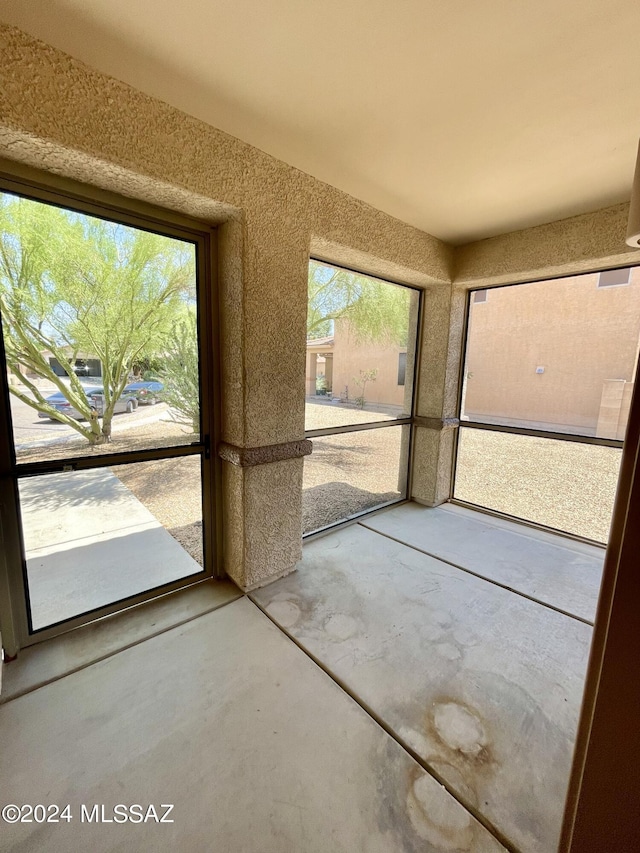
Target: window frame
497, 427
72, 195
407, 422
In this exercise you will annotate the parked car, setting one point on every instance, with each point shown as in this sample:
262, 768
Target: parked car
148, 393
128, 402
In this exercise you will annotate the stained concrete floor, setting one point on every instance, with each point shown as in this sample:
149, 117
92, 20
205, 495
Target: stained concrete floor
466, 662
224, 718
399, 670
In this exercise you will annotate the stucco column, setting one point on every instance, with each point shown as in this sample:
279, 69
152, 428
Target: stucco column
263, 314
437, 394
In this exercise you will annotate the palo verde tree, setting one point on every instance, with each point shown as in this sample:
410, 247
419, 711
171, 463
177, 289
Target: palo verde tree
376, 310
72, 284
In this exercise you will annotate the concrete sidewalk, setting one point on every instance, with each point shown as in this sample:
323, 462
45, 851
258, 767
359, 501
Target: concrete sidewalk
89, 542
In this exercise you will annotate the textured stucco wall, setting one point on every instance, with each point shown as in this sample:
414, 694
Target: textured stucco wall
579, 244
437, 397
61, 116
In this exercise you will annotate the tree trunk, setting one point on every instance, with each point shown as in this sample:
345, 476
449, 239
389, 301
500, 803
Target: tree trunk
94, 425
106, 427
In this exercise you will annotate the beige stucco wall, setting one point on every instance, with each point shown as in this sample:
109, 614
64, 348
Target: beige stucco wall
350, 356
580, 334
63, 117
579, 244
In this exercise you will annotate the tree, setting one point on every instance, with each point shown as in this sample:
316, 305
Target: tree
180, 372
73, 284
376, 310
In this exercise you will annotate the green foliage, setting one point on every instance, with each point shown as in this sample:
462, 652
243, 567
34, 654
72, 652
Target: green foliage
73, 284
376, 310
180, 372
146, 367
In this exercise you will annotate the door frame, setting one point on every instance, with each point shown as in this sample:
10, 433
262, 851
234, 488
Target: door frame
65, 193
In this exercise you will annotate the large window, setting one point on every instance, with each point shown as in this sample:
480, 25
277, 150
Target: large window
547, 383
107, 402
361, 340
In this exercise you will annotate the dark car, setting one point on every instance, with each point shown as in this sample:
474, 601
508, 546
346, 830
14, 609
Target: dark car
127, 402
148, 393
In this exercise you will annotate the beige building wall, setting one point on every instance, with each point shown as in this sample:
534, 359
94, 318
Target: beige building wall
352, 356
541, 354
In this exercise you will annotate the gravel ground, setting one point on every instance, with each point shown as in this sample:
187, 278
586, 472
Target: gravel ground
148, 427
561, 484
319, 415
350, 472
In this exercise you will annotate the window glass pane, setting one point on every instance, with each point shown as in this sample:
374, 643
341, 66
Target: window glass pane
360, 331
99, 322
561, 484
95, 537
557, 355
351, 472
614, 278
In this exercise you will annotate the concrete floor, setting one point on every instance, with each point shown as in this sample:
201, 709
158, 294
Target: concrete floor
398, 668
466, 662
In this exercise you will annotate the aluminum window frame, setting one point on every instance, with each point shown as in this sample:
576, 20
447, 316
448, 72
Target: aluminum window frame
537, 433
408, 421
68, 194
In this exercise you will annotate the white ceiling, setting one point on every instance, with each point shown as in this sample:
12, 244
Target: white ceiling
466, 118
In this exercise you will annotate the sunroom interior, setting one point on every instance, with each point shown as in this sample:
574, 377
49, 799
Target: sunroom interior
407, 678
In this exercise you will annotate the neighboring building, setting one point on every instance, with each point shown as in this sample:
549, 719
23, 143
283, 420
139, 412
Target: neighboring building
340, 360
558, 354
84, 364
319, 364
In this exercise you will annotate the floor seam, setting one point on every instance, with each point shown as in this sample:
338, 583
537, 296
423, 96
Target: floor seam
480, 577
376, 718
107, 655
529, 528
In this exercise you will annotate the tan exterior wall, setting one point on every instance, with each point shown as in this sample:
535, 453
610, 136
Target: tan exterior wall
581, 335
351, 357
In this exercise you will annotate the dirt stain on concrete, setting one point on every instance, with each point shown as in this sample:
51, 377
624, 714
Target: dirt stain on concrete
461, 734
436, 816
